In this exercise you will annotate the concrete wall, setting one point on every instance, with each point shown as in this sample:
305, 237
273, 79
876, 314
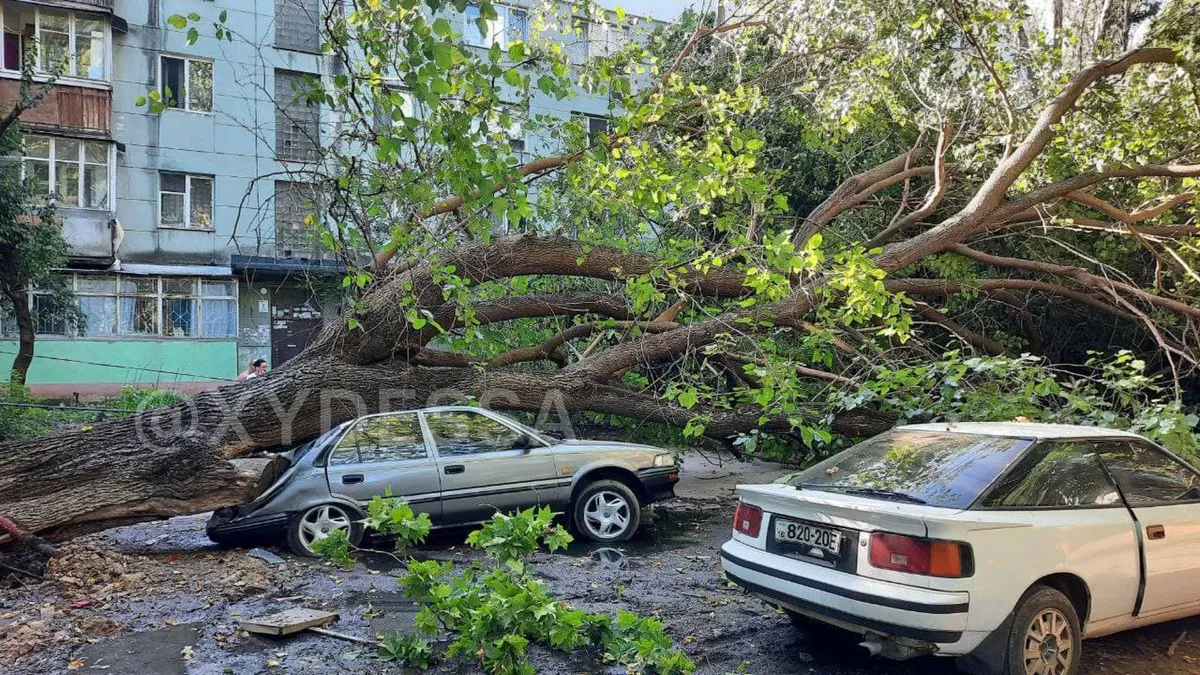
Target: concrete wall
105, 366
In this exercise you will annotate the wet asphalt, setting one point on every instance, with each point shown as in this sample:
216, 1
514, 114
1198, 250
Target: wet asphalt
670, 570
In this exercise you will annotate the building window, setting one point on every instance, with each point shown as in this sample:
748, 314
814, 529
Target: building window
295, 237
47, 319
136, 306
510, 25
594, 125
68, 44
186, 84
595, 39
297, 122
185, 200
393, 105
506, 125
298, 25
74, 170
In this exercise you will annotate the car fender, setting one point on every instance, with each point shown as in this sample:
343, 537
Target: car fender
583, 474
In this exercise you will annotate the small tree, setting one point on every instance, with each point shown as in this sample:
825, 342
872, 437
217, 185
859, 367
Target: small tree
31, 248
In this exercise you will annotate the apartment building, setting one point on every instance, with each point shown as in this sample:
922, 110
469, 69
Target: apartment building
187, 249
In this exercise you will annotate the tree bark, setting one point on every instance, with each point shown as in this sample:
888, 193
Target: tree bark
25, 336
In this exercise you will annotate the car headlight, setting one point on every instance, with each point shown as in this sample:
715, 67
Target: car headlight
666, 459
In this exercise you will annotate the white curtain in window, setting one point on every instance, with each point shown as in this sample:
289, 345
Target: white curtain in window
100, 313
220, 318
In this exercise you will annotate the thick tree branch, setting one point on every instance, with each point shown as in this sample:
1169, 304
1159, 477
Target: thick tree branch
1128, 217
1080, 276
549, 350
987, 286
932, 201
850, 187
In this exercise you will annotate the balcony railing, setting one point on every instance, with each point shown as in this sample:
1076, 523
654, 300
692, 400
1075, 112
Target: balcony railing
66, 107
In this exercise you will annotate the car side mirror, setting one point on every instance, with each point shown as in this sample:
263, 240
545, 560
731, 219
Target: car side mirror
523, 442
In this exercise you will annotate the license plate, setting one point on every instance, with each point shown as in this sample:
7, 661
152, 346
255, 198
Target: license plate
807, 534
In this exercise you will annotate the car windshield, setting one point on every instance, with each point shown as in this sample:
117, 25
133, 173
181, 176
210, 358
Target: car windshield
944, 469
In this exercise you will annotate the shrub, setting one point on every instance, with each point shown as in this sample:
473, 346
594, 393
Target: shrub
495, 608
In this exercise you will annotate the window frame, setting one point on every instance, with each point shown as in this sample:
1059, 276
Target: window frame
159, 295
1152, 447
73, 17
81, 163
504, 23
187, 201
186, 104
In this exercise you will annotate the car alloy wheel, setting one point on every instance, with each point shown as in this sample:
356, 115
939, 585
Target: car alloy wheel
607, 515
320, 521
1049, 644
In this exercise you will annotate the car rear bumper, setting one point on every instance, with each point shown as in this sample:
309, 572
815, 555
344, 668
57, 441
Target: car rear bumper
228, 526
659, 483
933, 617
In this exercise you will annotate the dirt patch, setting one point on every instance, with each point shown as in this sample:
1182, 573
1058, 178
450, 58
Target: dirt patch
88, 581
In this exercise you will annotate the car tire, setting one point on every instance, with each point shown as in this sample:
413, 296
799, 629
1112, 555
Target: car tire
606, 511
1047, 613
317, 521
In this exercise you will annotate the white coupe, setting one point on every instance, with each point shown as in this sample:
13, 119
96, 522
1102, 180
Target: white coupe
1002, 543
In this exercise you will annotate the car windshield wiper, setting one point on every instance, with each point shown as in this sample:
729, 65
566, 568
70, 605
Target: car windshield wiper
862, 490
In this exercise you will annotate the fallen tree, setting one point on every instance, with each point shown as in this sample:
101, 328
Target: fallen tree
712, 335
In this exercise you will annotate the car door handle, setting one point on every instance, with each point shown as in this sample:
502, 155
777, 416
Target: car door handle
352, 478
1156, 532
455, 468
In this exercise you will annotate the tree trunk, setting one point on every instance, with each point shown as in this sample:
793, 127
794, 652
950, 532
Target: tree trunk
176, 460
21, 363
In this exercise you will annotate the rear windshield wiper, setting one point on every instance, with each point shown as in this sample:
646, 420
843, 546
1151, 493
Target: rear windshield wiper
869, 491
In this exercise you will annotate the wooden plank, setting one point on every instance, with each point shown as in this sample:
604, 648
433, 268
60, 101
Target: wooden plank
288, 621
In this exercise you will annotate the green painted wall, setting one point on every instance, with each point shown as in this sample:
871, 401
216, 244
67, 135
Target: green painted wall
135, 361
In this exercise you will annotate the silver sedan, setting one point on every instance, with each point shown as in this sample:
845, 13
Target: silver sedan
458, 464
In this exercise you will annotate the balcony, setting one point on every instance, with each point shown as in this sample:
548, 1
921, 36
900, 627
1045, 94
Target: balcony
85, 5
66, 108
92, 236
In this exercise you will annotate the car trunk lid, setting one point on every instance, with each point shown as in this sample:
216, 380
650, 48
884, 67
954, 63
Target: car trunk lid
855, 512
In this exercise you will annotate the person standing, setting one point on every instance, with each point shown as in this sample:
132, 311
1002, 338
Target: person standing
257, 368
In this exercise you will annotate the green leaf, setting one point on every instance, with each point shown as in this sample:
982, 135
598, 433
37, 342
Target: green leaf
442, 28
177, 21
224, 16
443, 55
512, 77
517, 51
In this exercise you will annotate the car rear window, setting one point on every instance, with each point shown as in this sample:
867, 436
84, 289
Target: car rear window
937, 468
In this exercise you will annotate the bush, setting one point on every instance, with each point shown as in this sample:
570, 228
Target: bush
137, 400
17, 421
494, 609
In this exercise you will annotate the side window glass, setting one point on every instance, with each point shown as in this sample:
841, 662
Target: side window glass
469, 433
1062, 474
1149, 476
346, 451
392, 438
382, 439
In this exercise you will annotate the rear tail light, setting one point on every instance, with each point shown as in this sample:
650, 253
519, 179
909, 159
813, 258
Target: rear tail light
928, 557
747, 519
